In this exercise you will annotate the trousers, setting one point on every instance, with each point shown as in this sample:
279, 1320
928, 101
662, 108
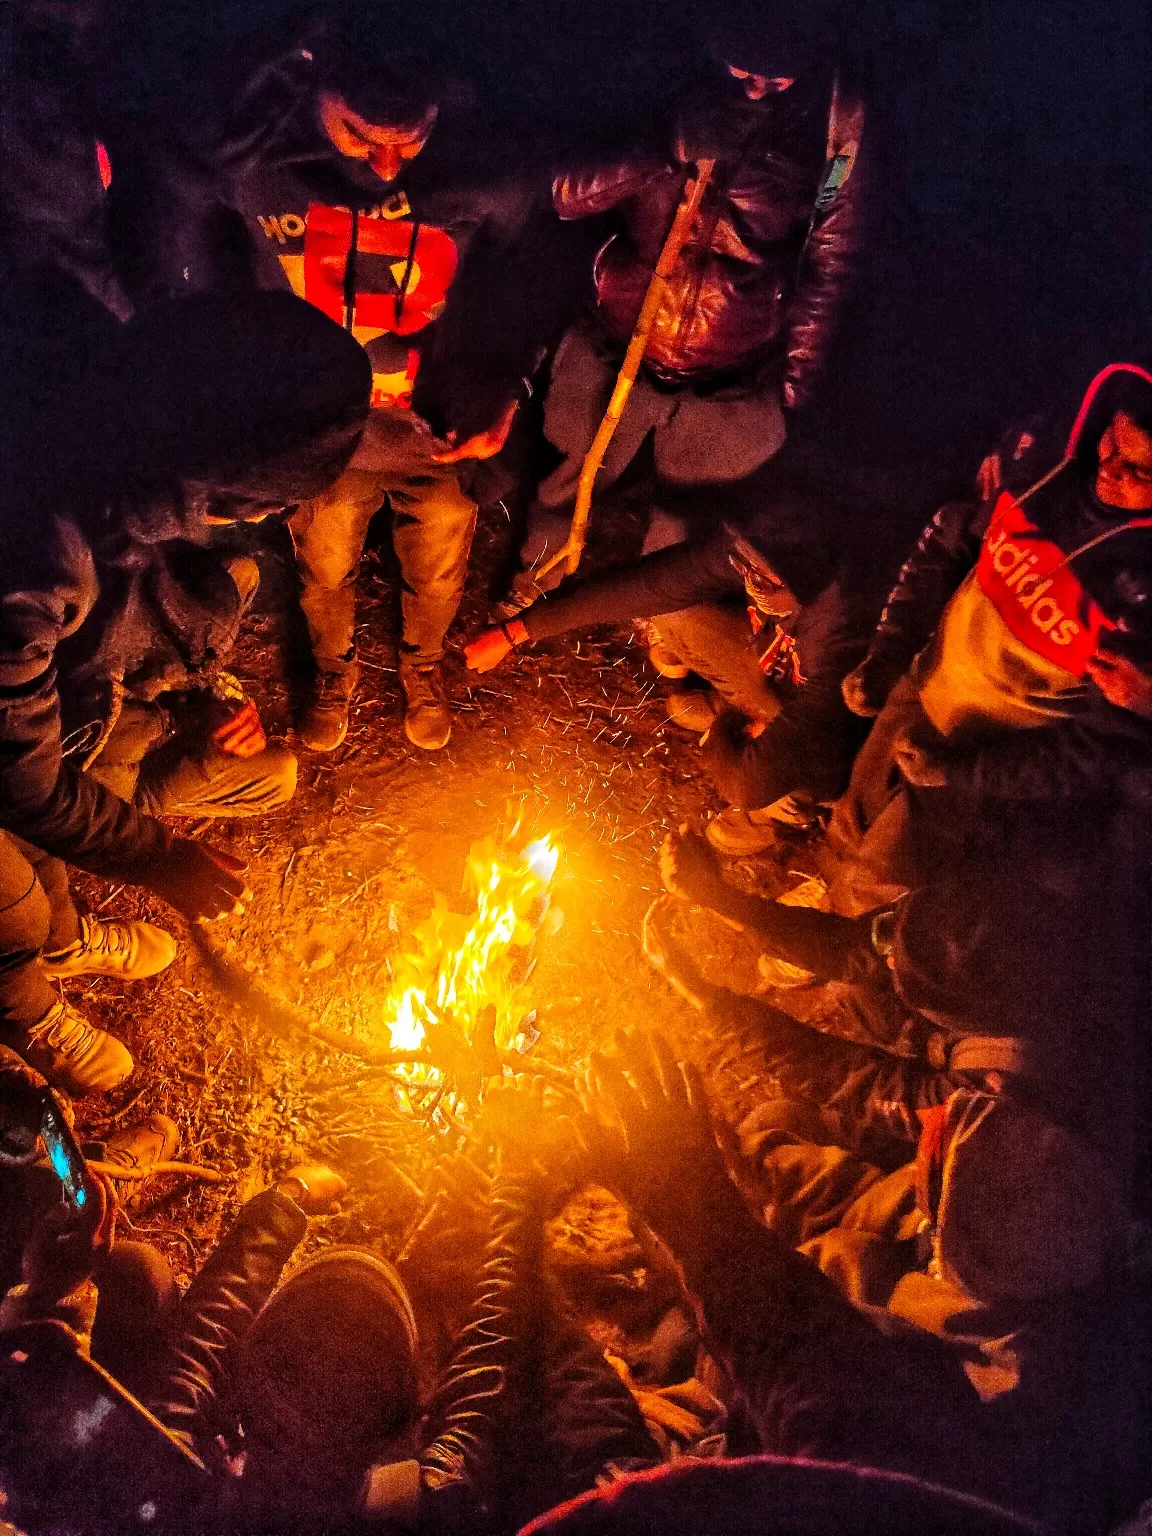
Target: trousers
433, 524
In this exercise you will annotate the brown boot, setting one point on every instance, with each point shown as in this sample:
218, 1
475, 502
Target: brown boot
138, 1148
427, 719
323, 722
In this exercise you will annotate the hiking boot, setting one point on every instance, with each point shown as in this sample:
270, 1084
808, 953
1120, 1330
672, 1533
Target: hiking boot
128, 950
323, 722
667, 663
693, 711
427, 720
73, 1054
138, 1148
736, 833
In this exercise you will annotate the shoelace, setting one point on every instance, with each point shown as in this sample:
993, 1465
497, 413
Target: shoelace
106, 938
62, 1029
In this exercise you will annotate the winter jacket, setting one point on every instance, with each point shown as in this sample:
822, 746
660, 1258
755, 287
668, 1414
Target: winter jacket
925, 1325
253, 193
997, 613
109, 588
760, 282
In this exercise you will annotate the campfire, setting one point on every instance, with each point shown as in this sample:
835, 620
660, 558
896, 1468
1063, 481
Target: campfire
460, 1000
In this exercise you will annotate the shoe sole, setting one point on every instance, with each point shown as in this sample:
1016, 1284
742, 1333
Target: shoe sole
428, 746
738, 847
323, 746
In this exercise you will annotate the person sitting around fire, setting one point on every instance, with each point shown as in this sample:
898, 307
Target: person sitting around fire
961, 1319
324, 1369
990, 976
1011, 672
745, 324
306, 179
116, 619
773, 621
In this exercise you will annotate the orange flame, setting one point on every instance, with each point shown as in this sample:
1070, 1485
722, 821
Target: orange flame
468, 971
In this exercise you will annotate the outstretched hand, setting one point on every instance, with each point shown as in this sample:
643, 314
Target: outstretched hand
199, 881
314, 1187
483, 445
68, 1244
489, 649
689, 869
855, 691
656, 1142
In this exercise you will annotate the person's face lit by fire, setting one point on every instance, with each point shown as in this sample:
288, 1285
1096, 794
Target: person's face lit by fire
1124, 478
757, 87
383, 146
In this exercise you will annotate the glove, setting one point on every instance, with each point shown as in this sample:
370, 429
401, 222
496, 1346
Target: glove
493, 645
199, 881
241, 735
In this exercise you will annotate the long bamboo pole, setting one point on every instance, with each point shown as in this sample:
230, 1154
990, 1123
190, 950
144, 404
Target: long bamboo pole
653, 298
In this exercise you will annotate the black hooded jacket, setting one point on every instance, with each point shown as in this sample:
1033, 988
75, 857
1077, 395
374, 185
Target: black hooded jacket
998, 609
470, 268
108, 585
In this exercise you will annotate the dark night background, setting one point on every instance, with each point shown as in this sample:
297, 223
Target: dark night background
1011, 253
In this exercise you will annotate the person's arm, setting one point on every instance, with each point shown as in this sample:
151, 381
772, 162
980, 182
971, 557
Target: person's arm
831, 251
524, 278
1065, 762
818, 1377
811, 741
664, 582
946, 551
580, 194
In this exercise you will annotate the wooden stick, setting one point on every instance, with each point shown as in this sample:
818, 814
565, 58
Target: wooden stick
653, 298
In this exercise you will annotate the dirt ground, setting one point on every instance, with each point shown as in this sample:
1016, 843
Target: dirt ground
571, 735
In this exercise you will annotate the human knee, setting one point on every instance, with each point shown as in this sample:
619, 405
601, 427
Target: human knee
25, 911
275, 784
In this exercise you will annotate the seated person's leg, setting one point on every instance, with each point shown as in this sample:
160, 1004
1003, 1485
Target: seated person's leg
189, 778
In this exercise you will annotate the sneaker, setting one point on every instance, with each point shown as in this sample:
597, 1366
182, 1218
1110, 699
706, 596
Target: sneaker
323, 722
735, 832
72, 1054
427, 720
667, 663
138, 1148
693, 711
128, 950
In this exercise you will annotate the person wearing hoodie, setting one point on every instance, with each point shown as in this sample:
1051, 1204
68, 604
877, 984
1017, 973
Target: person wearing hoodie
116, 618
744, 326
964, 1318
330, 172
1012, 666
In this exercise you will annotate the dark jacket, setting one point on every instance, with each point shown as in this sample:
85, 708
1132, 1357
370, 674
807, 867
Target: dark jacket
1089, 740
108, 586
760, 282
251, 193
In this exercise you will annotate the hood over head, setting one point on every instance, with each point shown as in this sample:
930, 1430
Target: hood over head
1119, 387
786, 39
257, 396
1025, 1208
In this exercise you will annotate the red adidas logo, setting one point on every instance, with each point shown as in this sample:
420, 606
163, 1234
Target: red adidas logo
1027, 579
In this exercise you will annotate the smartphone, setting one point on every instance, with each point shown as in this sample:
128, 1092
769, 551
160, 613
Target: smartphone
65, 1156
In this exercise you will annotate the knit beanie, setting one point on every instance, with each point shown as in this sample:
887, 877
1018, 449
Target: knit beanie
786, 39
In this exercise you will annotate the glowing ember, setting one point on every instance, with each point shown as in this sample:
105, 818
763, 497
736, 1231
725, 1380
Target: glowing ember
460, 993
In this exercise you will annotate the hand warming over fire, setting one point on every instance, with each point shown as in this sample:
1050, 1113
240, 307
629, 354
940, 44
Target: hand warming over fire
688, 868
490, 648
667, 1155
